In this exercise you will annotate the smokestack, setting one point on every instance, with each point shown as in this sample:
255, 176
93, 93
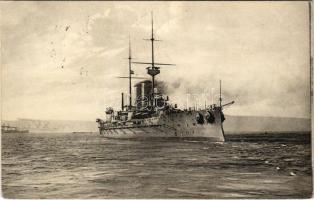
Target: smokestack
122, 101
143, 94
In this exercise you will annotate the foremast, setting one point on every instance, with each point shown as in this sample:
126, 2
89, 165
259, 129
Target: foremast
130, 77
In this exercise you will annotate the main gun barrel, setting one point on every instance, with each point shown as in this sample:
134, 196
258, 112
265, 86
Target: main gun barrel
227, 104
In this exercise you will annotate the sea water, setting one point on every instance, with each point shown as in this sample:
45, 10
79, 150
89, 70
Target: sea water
87, 165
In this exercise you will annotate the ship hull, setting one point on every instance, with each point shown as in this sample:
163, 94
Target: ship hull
180, 125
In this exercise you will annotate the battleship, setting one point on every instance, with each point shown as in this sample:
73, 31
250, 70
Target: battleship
151, 114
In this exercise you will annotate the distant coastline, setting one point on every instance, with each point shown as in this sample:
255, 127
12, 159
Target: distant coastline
232, 125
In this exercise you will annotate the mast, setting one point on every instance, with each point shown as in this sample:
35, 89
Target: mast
220, 99
152, 39
152, 70
130, 77
221, 113
130, 72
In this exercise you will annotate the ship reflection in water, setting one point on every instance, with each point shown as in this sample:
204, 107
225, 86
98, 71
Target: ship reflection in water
86, 166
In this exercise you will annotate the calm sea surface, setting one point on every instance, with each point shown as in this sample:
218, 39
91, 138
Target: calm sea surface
80, 165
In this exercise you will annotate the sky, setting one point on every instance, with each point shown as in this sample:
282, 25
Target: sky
60, 60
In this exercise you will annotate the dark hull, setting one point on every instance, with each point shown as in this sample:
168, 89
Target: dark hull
24, 131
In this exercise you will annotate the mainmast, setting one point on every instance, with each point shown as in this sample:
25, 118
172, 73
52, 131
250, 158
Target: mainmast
152, 70
152, 39
130, 72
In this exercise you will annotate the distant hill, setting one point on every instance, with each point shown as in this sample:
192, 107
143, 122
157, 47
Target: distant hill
233, 124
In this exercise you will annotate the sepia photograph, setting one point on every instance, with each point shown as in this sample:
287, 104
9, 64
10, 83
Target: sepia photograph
156, 99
